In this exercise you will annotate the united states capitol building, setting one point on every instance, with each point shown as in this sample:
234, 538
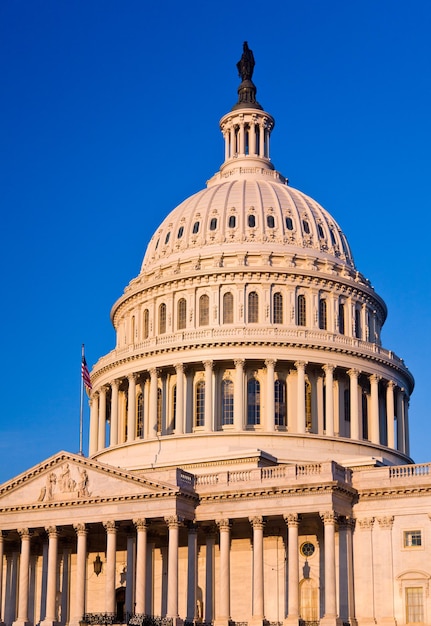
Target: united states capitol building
249, 456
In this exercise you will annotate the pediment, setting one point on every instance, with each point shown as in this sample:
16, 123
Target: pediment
66, 478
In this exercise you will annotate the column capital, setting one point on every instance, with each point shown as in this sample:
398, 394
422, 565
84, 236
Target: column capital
52, 531
291, 519
173, 521
140, 524
154, 372
223, 525
239, 362
24, 533
346, 523
300, 365
365, 523
386, 522
110, 526
353, 373
208, 364
328, 368
375, 378
179, 368
115, 383
257, 522
270, 362
192, 528
133, 377
80, 529
329, 517
391, 384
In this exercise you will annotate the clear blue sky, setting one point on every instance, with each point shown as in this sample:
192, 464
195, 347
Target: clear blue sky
109, 117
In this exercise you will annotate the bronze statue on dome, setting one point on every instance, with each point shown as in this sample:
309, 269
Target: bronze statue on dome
246, 63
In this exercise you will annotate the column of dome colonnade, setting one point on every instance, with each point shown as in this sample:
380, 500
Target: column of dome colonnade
158, 402
21, 593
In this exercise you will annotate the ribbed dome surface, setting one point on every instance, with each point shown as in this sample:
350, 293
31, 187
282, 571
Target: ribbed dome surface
257, 213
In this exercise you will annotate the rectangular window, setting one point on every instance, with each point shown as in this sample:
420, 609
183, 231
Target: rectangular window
412, 538
414, 605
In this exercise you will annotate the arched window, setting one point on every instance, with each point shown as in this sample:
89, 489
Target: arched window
253, 402
200, 403
204, 310
277, 306
301, 311
308, 416
289, 223
195, 228
280, 403
181, 313
306, 227
270, 221
213, 223
226, 402
162, 318
358, 326
232, 221
159, 410
253, 307
323, 314
146, 323
228, 308
341, 321
251, 220
140, 417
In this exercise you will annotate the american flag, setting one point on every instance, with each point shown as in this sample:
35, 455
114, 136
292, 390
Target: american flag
86, 374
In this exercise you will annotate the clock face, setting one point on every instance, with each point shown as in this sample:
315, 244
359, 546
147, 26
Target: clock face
307, 549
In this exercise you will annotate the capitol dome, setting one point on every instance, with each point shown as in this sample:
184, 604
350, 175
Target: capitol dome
249, 332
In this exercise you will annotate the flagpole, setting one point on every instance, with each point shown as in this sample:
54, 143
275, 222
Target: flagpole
81, 412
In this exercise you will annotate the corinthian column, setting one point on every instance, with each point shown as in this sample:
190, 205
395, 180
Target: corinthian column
375, 426
141, 562
1, 574
81, 559
192, 567
172, 609
111, 548
238, 407
51, 585
153, 404
94, 423
223, 613
300, 396
115, 384
329, 404
292, 521
179, 409
102, 419
131, 408
354, 407
208, 394
390, 413
270, 400
258, 580
24, 563
330, 616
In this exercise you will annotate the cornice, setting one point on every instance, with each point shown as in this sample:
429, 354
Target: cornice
398, 491
272, 492
341, 348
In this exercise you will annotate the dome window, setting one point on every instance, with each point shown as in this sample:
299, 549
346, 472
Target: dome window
157, 244
321, 233
251, 220
306, 227
196, 228
270, 221
213, 223
180, 232
232, 221
167, 238
334, 243
289, 223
